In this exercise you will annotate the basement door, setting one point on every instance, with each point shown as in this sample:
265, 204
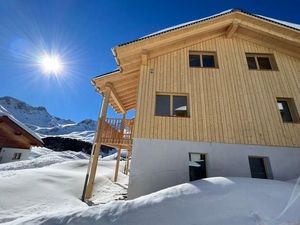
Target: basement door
197, 166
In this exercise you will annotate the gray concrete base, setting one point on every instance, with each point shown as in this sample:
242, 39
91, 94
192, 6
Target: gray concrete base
157, 164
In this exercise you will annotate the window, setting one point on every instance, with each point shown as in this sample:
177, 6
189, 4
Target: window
203, 59
162, 105
260, 167
171, 105
287, 109
261, 61
197, 166
17, 156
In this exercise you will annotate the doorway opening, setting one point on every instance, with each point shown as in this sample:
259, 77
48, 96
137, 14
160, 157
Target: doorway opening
197, 166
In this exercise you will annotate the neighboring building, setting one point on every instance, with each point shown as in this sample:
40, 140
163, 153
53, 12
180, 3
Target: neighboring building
217, 96
15, 138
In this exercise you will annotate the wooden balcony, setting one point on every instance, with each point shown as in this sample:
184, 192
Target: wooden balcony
117, 132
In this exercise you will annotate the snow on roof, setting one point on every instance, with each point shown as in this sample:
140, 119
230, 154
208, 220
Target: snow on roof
291, 25
4, 112
186, 24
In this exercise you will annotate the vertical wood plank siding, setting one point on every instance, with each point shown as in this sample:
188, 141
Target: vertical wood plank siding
229, 104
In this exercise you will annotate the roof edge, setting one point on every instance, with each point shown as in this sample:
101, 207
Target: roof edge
166, 30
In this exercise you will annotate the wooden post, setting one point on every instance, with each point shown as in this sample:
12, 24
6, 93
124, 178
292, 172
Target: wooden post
88, 189
117, 165
127, 161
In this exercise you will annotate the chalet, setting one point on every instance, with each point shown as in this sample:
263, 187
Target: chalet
217, 96
15, 138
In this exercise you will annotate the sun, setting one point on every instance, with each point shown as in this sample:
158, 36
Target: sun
51, 64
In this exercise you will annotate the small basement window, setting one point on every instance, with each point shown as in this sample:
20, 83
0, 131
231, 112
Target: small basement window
261, 61
203, 59
171, 105
17, 156
287, 109
260, 167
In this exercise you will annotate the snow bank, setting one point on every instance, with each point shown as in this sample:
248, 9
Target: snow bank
212, 201
41, 157
52, 182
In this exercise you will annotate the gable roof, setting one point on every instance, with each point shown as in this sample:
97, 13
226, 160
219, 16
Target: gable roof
179, 26
5, 113
272, 33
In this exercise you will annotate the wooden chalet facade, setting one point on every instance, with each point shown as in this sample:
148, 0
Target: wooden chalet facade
15, 139
222, 91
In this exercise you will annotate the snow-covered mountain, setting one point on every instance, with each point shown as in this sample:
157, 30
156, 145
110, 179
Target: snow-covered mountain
45, 124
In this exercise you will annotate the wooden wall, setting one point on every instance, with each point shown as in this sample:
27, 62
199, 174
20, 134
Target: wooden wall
229, 104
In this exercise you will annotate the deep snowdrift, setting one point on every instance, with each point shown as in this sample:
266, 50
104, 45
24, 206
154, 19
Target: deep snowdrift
226, 201
53, 182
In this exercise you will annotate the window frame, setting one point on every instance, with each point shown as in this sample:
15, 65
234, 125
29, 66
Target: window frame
17, 156
204, 53
171, 114
270, 56
292, 110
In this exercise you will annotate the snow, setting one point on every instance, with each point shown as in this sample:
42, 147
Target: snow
47, 188
4, 112
52, 182
294, 25
186, 24
212, 201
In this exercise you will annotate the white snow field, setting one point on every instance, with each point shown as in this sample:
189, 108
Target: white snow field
49, 194
52, 182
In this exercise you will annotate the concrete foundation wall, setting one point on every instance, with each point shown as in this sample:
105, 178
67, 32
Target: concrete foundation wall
157, 164
7, 154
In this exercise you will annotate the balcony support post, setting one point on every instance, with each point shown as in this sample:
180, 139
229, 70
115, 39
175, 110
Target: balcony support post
127, 161
119, 149
92, 168
117, 165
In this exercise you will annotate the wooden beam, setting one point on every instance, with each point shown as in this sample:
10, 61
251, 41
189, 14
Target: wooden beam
144, 57
127, 161
232, 29
117, 165
93, 163
115, 97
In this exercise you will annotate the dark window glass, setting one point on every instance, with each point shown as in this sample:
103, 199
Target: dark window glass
251, 63
162, 107
180, 106
264, 63
257, 167
208, 61
195, 61
284, 111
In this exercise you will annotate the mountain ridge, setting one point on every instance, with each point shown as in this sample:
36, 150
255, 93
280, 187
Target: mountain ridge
45, 124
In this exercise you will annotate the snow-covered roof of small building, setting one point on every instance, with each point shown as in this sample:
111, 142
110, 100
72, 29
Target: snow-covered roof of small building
4, 112
280, 22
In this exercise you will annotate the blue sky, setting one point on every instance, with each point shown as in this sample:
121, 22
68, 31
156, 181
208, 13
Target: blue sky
83, 32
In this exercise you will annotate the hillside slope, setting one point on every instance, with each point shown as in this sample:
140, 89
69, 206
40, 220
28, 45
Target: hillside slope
45, 124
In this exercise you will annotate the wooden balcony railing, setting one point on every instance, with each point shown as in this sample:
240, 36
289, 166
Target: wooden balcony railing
117, 131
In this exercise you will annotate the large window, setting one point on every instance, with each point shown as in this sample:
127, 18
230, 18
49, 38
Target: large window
261, 61
203, 59
171, 105
287, 109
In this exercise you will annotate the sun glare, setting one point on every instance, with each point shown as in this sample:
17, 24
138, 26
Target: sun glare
51, 64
